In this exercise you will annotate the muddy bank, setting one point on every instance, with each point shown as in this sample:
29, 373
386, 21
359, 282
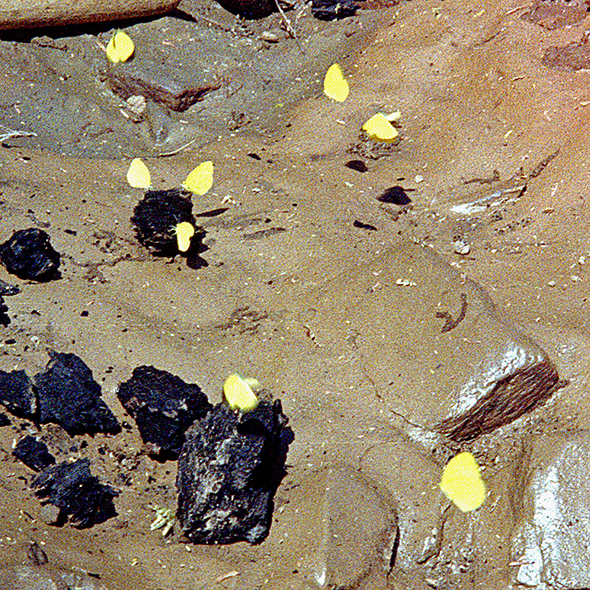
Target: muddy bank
395, 331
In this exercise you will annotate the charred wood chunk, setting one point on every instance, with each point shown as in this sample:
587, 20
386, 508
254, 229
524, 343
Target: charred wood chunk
29, 255
333, 9
33, 453
228, 472
252, 9
79, 495
157, 216
17, 394
69, 396
163, 406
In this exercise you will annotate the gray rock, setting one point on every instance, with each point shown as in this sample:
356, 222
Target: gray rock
552, 501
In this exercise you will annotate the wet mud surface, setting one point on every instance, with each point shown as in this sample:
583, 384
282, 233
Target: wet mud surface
403, 302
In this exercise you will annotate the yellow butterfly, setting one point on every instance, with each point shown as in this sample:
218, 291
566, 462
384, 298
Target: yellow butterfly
461, 482
379, 127
200, 180
238, 393
184, 233
335, 84
120, 48
138, 175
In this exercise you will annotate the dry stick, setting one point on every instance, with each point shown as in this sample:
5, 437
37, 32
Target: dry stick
288, 25
176, 151
11, 133
513, 10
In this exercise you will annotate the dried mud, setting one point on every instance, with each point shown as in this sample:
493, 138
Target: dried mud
389, 350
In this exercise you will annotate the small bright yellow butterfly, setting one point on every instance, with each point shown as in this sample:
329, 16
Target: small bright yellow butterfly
120, 48
200, 180
335, 84
184, 233
461, 482
239, 394
379, 127
138, 175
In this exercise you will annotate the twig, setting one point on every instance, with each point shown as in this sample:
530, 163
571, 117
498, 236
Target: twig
176, 151
11, 133
288, 25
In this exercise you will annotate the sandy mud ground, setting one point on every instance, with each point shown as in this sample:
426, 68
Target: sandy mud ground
395, 334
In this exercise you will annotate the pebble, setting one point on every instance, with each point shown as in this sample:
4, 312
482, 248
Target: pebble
269, 37
462, 247
49, 514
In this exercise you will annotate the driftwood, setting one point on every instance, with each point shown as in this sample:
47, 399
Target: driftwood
26, 14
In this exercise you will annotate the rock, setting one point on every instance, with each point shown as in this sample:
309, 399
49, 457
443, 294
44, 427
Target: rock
33, 453
329, 513
177, 90
428, 341
163, 406
333, 9
461, 247
551, 499
76, 492
17, 394
29, 255
69, 396
156, 216
228, 472
50, 514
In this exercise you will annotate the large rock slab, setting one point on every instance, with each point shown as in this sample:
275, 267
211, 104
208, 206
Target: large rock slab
430, 343
551, 542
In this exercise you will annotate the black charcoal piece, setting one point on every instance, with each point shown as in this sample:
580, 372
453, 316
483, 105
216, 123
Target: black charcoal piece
362, 225
228, 472
70, 397
333, 9
8, 290
78, 494
33, 453
4, 319
357, 165
396, 195
156, 217
17, 394
4, 420
163, 406
250, 8
28, 254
